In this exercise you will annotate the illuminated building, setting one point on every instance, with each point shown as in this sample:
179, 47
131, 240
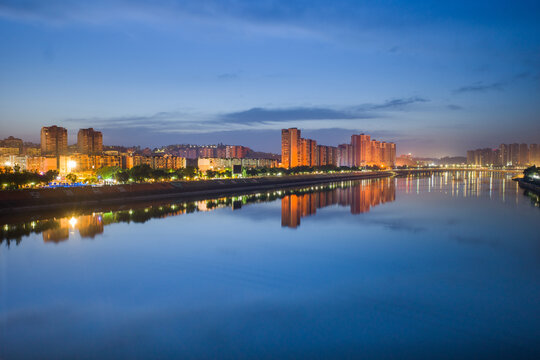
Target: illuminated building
345, 155
308, 152
32, 151
361, 149
514, 154
504, 155
322, 152
9, 151
523, 154
53, 140
89, 141
290, 144
296, 151
376, 153
11, 146
205, 164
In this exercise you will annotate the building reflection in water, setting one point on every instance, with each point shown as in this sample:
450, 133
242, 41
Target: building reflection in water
297, 203
88, 227
359, 198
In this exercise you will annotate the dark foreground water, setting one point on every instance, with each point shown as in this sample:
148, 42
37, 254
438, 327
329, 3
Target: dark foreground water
440, 267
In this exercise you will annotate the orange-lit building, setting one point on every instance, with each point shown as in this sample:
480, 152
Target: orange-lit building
53, 140
89, 141
290, 148
345, 155
361, 149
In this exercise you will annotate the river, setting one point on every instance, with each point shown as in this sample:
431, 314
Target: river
446, 266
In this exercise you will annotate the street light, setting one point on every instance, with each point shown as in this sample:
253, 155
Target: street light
71, 164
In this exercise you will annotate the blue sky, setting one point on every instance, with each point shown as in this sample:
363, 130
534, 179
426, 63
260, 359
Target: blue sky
435, 77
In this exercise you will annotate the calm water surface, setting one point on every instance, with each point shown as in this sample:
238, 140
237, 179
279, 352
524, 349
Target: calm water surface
440, 267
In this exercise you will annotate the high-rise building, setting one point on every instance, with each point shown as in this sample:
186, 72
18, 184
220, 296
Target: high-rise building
504, 155
296, 151
392, 154
345, 155
323, 153
90, 141
483, 157
290, 148
523, 154
513, 154
388, 154
53, 140
376, 153
534, 154
361, 149
308, 152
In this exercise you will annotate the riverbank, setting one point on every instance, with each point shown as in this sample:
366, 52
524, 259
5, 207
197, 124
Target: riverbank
529, 185
48, 199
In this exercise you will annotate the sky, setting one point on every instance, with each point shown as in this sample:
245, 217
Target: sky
436, 77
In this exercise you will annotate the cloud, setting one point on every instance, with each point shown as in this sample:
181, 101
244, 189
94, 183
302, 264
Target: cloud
494, 86
393, 104
263, 115
480, 87
367, 111
454, 107
229, 76
246, 16
158, 122
174, 122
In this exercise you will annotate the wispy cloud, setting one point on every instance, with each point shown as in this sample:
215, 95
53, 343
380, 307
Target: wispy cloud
393, 104
176, 121
229, 76
246, 16
264, 115
366, 111
480, 87
454, 107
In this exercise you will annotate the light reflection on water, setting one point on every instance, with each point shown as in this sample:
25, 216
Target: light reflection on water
442, 266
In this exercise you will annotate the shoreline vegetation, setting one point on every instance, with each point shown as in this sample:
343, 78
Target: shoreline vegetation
51, 198
15, 178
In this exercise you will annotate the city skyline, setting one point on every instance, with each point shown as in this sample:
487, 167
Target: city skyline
435, 79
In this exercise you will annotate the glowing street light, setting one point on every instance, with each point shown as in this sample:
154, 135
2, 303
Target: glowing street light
71, 164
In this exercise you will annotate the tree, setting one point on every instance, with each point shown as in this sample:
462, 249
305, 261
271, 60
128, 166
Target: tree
71, 177
160, 174
107, 172
50, 175
140, 173
122, 176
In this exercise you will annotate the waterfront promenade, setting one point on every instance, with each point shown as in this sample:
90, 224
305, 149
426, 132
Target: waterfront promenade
43, 199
